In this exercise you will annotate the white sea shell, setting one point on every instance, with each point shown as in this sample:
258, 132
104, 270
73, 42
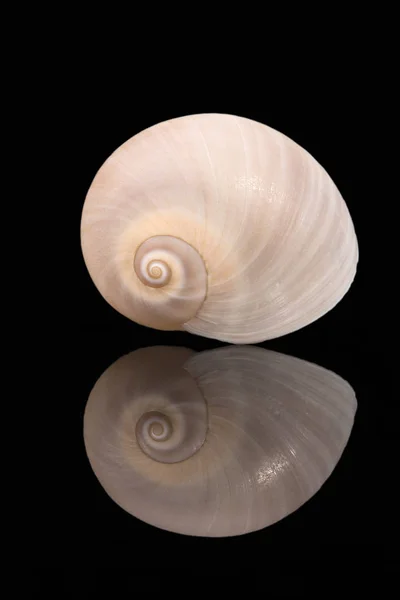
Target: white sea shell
219, 443
218, 225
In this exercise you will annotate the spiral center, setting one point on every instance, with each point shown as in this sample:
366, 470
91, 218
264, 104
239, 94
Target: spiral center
155, 270
153, 428
156, 430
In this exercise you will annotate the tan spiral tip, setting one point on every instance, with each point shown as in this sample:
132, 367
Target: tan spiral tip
152, 271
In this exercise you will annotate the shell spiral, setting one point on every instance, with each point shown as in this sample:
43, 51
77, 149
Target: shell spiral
174, 267
220, 226
171, 416
218, 443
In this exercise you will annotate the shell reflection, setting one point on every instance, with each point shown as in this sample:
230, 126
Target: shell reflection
217, 443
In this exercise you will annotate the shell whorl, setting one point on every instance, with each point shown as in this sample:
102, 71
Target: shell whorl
176, 270
172, 439
174, 425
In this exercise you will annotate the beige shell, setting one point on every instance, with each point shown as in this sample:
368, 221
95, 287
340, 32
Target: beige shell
220, 226
219, 443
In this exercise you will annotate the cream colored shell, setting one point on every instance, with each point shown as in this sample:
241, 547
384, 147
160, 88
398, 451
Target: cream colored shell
219, 443
220, 226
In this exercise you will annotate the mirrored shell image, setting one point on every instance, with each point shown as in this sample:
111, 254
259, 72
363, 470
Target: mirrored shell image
217, 443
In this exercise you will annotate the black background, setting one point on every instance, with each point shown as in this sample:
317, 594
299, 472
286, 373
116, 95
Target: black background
352, 510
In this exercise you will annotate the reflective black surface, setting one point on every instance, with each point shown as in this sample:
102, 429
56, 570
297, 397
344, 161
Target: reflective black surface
353, 511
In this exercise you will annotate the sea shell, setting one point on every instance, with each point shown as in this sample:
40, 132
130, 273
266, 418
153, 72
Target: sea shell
217, 443
220, 226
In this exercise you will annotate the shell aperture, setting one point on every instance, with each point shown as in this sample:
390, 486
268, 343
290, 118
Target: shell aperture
217, 443
220, 226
